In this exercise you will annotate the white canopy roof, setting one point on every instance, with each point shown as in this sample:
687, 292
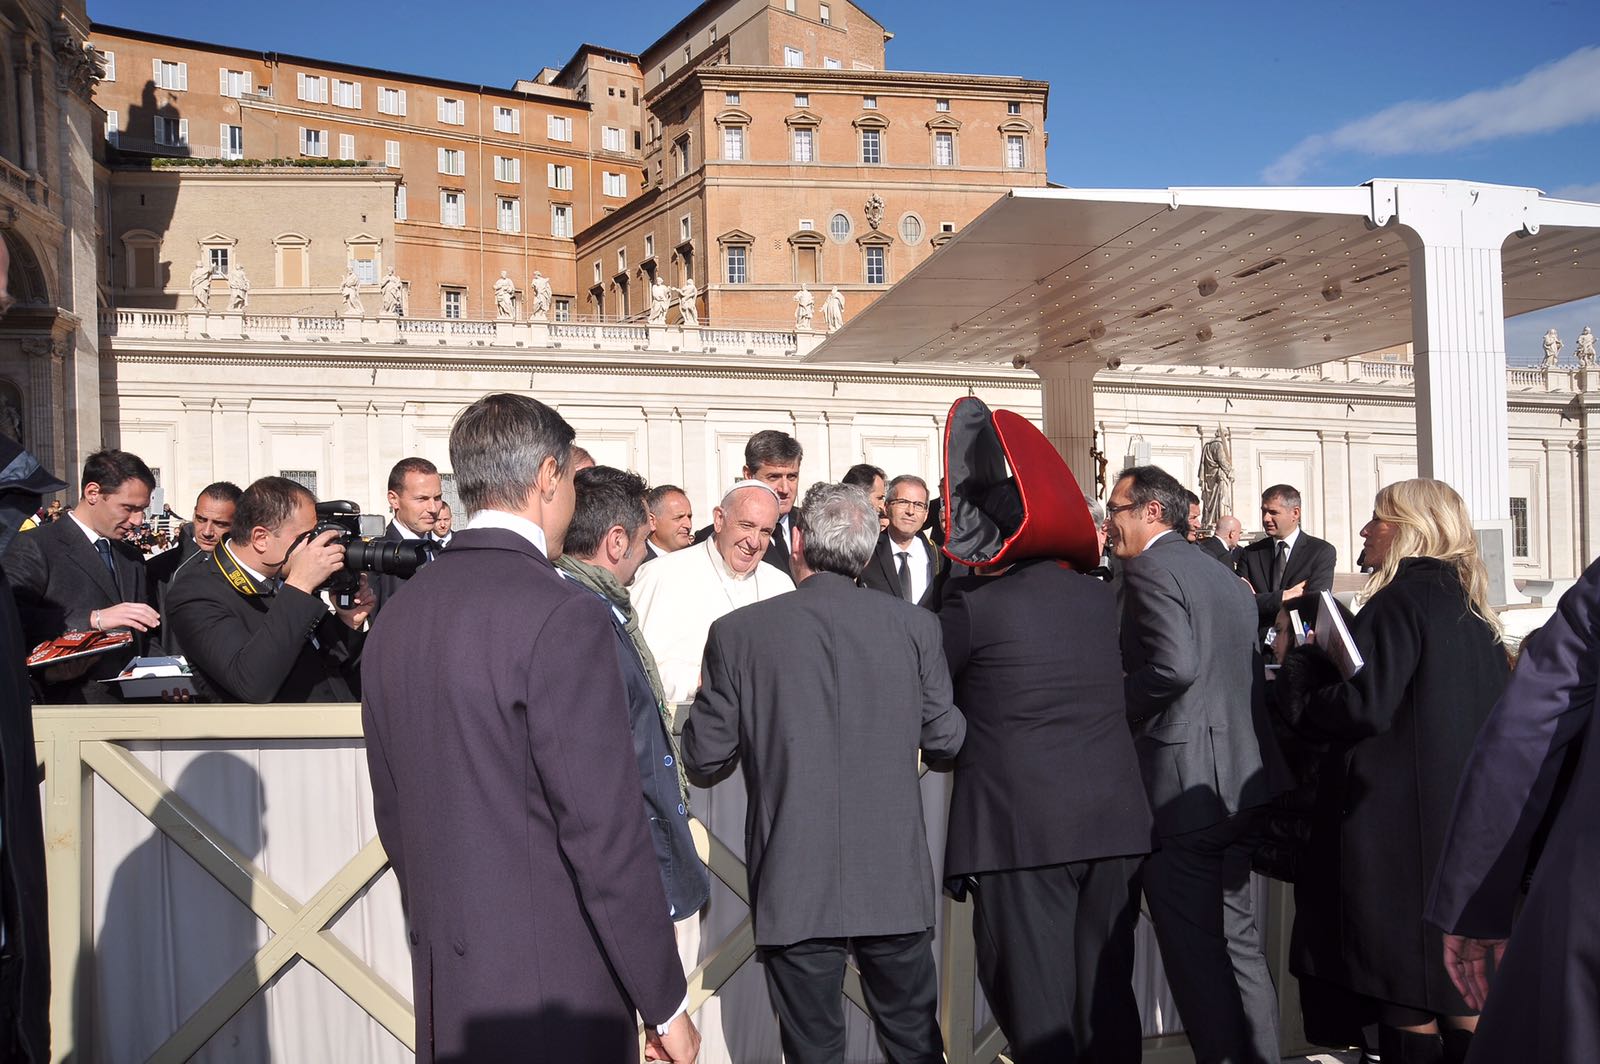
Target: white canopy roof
1248, 276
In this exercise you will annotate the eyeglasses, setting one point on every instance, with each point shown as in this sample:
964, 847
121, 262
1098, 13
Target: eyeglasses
1115, 509
911, 504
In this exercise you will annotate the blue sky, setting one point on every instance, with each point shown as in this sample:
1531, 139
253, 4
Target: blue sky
1143, 94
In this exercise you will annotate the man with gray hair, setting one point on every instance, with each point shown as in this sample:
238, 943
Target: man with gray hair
904, 562
504, 783
827, 721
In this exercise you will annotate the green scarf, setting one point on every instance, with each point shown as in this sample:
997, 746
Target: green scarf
604, 583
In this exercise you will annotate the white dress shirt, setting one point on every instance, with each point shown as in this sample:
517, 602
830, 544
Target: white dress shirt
511, 523
919, 558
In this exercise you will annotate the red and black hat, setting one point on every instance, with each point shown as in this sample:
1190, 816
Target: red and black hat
1008, 495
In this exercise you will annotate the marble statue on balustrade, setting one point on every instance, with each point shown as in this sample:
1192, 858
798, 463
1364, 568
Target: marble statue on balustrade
238, 289
1216, 478
393, 293
505, 297
350, 291
1552, 349
660, 299
540, 308
1586, 347
200, 284
805, 305
689, 313
833, 310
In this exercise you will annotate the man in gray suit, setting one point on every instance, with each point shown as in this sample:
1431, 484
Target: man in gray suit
1193, 683
831, 716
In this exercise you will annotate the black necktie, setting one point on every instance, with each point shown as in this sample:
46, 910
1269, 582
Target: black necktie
103, 545
1280, 562
905, 575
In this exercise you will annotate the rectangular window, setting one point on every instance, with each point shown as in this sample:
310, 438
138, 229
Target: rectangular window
1519, 528
731, 99
235, 83
174, 76
825, 15
560, 219
688, 53
347, 94
793, 57
311, 88
871, 146
802, 99
611, 139
563, 309
788, 5
507, 120
684, 229
219, 261
875, 265
400, 203
367, 271
314, 143
869, 103
615, 184
452, 161
391, 101
452, 207
560, 177
649, 245
347, 146
232, 141
597, 270
172, 132
680, 151
109, 64
507, 169
804, 142
454, 301
830, 63
391, 154
1013, 107
1016, 154
661, 75
944, 149
737, 273
112, 129
622, 260
306, 478
733, 143
452, 112
559, 128
807, 224
508, 214
941, 105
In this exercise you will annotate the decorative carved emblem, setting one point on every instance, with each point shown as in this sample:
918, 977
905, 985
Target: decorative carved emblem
874, 208
78, 67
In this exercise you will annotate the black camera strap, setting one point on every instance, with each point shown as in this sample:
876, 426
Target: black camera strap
234, 572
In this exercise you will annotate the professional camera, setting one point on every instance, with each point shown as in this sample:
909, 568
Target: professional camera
365, 554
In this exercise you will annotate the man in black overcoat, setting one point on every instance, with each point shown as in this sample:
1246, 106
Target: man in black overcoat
504, 783
213, 517
1288, 561
416, 496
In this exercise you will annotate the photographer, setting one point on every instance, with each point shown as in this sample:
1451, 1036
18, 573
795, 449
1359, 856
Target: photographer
251, 620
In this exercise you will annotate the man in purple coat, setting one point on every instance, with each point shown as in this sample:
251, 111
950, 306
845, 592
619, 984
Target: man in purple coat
1527, 800
504, 783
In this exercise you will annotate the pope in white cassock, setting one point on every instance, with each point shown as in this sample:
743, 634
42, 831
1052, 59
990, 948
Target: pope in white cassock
677, 596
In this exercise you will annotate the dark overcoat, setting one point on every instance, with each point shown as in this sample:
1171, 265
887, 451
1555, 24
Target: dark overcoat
1544, 1003
1407, 721
507, 796
1038, 674
25, 1005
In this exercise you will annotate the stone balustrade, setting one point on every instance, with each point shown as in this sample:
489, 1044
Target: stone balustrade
198, 325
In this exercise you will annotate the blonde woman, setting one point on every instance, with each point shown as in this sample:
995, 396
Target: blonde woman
1398, 734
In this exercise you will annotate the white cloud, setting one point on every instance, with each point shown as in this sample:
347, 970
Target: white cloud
1588, 193
1552, 97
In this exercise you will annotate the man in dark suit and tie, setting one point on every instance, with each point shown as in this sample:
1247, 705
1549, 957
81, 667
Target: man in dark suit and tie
80, 573
904, 562
416, 495
1193, 685
249, 616
1288, 562
773, 458
213, 517
827, 720
504, 782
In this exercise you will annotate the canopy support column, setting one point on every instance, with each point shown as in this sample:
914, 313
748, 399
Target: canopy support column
1069, 413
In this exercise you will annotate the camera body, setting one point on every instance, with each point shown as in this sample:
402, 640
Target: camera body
363, 554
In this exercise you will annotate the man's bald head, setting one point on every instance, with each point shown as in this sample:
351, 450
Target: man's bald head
1228, 530
743, 524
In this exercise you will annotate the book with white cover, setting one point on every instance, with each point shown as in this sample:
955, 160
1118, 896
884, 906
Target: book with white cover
1333, 636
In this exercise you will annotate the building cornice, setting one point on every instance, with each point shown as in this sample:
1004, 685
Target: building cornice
777, 75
